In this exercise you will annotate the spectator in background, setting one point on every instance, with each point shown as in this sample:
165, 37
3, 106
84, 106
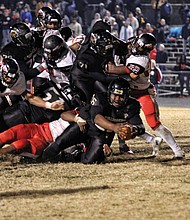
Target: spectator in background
160, 36
155, 75
61, 9
97, 17
6, 24
1, 22
133, 4
70, 8
114, 27
183, 10
126, 31
165, 27
141, 18
101, 10
184, 77
19, 6
157, 32
119, 16
156, 4
82, 7
15, 17
26, 15
75, 27
41, 4
166, 11
33, 12
133, 22
151, 29
78, 18
162, 56
107, 16
185, 33
112, 6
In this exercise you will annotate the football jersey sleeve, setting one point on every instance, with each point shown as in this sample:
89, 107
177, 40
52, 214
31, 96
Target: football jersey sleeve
137, 64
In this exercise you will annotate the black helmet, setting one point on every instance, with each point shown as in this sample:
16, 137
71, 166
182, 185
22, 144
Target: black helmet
21, 35
43, 16
9, 71
120, 87
54, 48
55, 18
143, 44
102, 43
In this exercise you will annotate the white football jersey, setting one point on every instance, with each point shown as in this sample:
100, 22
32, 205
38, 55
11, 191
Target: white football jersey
139, 65
57, 127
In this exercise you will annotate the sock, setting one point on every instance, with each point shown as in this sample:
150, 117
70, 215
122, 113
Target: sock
147, 136
167, 136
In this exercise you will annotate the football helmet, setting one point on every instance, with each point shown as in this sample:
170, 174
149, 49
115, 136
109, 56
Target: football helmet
143, 44
43, 16
119, 87
54, 48
9, 71
47, 16
54, 18
21, 35
102, 43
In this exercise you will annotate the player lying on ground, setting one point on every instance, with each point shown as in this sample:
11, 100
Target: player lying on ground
120, 114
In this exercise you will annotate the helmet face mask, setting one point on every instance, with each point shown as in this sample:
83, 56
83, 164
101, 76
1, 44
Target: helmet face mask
118, 92
9, 71
54, 20
143, 44
102, 43
43, 17
49, 18
21, 35
54, 48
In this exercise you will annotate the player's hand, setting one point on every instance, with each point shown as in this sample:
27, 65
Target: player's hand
133, 76
107, 150
81, 123
57, 105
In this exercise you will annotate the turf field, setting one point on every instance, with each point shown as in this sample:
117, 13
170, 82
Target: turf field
126, 187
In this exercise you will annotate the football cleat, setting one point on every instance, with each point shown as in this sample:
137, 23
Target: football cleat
179, 155
156, 145
125, 149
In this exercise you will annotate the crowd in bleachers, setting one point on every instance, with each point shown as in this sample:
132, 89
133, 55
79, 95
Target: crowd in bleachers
121, 14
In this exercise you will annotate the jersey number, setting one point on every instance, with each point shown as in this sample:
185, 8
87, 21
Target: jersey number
135, 69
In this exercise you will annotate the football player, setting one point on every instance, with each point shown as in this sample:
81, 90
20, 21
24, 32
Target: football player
137, 68
102, 122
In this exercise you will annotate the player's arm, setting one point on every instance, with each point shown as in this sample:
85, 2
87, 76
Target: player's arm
38, 101
103, 123
120, 70
72, 116
68, 116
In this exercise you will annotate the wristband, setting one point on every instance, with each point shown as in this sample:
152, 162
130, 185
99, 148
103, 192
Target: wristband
42, 67
78, 119
48, 105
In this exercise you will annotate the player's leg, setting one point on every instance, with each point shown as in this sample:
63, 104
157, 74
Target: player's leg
151, 111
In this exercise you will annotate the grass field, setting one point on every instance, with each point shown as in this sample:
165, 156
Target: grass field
126, 187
